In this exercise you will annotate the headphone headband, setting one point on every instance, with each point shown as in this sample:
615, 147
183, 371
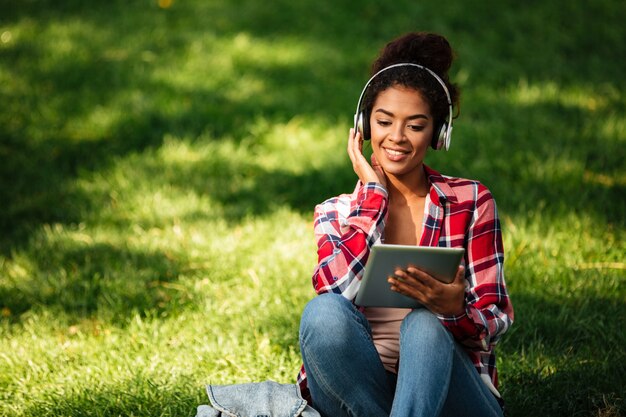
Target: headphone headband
448, 130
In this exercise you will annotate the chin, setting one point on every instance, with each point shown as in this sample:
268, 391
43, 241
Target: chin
402, 171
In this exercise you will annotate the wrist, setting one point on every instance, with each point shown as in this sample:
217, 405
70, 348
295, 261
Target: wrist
365, 178
459, 311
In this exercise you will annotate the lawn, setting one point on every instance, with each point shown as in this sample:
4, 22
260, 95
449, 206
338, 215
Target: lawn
160, 160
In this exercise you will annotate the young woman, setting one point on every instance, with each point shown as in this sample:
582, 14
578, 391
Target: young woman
432, 361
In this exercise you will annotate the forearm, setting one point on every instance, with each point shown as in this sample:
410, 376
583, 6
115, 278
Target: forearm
480, 328
345, 232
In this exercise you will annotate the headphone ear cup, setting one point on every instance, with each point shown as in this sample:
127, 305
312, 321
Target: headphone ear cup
363, 125
439, 137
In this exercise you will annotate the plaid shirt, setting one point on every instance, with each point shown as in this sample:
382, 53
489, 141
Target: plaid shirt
461, 213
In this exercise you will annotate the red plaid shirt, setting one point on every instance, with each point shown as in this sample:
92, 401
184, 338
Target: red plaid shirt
461, 213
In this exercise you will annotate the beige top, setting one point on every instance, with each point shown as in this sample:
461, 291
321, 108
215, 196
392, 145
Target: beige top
385, 323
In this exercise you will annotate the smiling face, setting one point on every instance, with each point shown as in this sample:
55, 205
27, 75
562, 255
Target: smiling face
401, 129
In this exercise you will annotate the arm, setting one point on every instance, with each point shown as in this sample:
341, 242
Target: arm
488, 311
345, 229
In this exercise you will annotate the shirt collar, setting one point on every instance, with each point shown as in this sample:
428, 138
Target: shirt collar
440, 190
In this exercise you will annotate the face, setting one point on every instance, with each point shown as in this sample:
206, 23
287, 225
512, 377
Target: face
401, 128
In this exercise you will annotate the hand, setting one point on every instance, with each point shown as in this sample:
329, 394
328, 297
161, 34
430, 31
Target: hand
365, 171
438, 297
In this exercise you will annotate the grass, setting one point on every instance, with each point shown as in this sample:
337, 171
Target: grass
159, 162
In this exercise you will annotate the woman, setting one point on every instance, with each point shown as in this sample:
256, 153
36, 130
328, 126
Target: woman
437, 360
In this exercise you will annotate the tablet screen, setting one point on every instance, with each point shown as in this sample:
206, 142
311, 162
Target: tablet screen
440, 262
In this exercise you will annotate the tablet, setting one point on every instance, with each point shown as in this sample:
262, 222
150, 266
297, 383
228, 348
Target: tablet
440, 262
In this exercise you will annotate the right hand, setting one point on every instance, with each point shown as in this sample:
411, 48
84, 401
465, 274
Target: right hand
362, 168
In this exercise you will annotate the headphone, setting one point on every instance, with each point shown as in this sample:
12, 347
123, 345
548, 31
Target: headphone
441, 135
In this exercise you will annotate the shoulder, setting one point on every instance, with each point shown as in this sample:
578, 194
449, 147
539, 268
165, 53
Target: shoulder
363, 196
460, 190
337, 207
468, 189
337, 204
475, 199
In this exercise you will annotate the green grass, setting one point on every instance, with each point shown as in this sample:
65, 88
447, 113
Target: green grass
159, 167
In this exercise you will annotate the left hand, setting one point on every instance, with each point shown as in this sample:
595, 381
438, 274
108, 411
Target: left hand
438, 297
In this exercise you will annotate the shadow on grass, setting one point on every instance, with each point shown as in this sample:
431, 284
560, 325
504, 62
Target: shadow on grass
45, 151
545, 154
44, 154
568, 392
556, 347
99, 280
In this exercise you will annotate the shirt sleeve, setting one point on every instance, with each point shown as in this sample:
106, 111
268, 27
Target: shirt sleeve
345, 229
488, 312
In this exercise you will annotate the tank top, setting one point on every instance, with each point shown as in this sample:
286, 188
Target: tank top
385, 323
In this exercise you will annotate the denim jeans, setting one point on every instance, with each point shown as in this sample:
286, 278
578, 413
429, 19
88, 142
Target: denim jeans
346, 376
259, 399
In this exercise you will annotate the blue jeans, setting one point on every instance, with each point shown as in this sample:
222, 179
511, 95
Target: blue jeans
346, 376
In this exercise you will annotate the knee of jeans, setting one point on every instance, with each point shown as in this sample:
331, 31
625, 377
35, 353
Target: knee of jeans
325, 314
425, 325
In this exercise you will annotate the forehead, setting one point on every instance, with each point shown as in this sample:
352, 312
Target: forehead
402, 99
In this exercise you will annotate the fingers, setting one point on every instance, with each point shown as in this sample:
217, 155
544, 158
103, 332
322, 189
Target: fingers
377, 168
437, 296
354, 147
365, 171
410, 282
360, 165
358, 142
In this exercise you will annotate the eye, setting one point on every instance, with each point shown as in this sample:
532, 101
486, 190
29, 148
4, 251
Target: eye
383, 123
416, 128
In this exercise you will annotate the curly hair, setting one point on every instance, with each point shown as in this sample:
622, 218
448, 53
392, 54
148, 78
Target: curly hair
426, 49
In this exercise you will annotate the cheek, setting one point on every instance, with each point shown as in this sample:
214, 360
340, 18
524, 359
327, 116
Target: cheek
425, 137
376, 145
426, 140
374, 129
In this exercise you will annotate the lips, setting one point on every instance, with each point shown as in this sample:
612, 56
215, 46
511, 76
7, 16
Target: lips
396, 154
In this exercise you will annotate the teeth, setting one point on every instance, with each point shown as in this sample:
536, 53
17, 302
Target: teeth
396, 153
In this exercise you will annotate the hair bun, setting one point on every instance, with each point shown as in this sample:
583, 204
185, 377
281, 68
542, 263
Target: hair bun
428, 49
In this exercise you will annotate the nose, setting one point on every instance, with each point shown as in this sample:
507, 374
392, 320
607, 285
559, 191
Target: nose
397, 133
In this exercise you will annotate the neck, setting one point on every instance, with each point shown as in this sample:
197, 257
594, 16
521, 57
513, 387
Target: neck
408, 187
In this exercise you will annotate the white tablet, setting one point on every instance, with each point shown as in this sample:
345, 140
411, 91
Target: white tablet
440, 262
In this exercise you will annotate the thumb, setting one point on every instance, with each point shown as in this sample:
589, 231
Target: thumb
374, 161
378, 170
460, 275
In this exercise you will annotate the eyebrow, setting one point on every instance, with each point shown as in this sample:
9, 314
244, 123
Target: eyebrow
412, 117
